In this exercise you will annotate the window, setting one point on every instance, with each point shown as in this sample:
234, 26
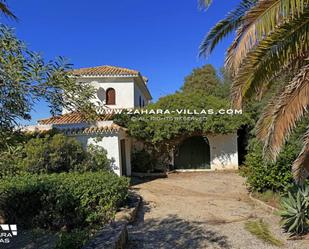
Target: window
143, 103
140, 101
110, 96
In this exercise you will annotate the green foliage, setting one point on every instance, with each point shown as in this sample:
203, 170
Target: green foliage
74, 239
52, 154
206, 81
26, 78
256, 106
203, 90
261, 230
66, 200
262, 175
19, 138
295, 210
202, 79
272, 39
11, 161
224, 27
143, 161
12, 152
269, 197
96, 160
164, 127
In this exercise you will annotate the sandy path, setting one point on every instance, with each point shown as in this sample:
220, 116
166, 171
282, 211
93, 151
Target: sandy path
199, 210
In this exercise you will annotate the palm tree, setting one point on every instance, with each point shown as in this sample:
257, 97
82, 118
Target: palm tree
272, 37
5, 10
223, 28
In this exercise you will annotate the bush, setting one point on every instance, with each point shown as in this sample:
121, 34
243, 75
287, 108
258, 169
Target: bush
67, 200
143, 161
73, 240
295, 210
11, 162
52, 154
263, 175
96, 160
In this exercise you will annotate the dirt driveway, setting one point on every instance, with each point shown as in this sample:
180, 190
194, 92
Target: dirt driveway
199, 210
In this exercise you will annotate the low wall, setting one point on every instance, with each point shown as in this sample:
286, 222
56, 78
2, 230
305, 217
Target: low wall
115, 235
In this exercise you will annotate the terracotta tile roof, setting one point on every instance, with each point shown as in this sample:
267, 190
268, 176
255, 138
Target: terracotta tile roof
93, 130
104, 70
73, 118
77, 131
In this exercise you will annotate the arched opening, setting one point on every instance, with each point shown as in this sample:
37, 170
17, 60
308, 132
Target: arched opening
110, 96
193, 153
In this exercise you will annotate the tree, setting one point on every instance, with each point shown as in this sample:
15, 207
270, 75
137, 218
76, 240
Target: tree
206, 80
203, 79
272, 37
160, 132
225, 27
25, 79
160, 128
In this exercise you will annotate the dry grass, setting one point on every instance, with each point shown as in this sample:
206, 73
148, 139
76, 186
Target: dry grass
269, 197
261, 230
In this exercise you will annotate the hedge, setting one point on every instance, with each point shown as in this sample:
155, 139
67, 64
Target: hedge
52, 154
66, 200
262, 174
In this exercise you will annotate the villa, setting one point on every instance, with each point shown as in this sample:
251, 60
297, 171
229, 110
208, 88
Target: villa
121, 88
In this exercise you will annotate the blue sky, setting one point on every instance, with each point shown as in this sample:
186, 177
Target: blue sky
158, 38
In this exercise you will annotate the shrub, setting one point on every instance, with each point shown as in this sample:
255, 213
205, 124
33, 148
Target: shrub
295, 210
73, 240
96, 160
143, 161
10, 161
66, 200
52, 154
262, 175
60, 153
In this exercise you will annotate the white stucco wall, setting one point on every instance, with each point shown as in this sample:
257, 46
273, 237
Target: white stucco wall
138, 93
111, 143
127, 91
124, 92
223, 151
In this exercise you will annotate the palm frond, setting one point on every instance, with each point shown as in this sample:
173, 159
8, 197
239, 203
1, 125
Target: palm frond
291, 106
300, 168
285, 46
224, 27
265, 121
260, 21
204, 4
5, 10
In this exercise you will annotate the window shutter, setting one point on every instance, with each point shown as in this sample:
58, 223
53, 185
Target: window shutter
110, 96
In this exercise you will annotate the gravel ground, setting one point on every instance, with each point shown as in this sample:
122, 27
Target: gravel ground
200, 210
